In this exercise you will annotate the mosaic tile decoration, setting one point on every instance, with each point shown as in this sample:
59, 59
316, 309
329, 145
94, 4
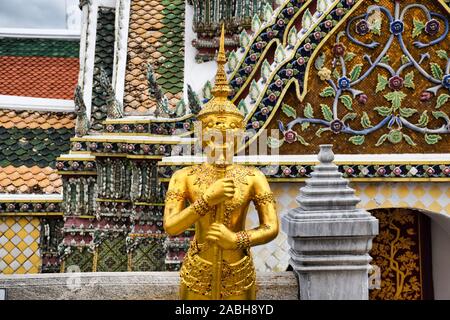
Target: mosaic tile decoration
112, 255
79, 259
148, 257
433, 197
51, 237
235, 14
19, 245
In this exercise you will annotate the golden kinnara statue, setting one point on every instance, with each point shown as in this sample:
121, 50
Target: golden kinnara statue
218, 264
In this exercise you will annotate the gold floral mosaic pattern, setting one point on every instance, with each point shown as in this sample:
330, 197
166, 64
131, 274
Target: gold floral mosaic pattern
397, 253
433, 197
19, 245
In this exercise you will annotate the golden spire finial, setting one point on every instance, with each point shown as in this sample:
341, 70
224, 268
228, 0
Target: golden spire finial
221, 88
220, 104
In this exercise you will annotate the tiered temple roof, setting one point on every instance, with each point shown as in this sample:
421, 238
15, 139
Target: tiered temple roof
43, 68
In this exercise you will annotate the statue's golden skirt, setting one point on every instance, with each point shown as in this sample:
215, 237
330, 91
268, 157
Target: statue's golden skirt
237, 277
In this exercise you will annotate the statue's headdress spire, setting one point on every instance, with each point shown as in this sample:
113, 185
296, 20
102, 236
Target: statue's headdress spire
220, 104
221, 88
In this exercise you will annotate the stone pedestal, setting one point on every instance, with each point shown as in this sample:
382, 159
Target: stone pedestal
126, 286
329, 237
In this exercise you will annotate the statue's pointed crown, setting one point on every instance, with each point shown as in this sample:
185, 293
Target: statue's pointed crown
220, 104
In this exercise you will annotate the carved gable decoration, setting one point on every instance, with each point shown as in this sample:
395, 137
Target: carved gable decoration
372, 77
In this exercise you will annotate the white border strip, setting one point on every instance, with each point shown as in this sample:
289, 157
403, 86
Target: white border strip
88, 72
121, 47
30, 197
86, 156
61, 34
312, 158
83, 44
147, 139
36, 104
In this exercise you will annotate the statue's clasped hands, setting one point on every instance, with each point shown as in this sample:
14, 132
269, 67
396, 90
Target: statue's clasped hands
217, 193
221, 235
220, 191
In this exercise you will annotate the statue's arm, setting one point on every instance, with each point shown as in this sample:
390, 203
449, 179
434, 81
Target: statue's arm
265, 205
178, 217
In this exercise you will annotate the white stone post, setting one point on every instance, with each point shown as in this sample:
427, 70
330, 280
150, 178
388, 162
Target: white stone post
330, 238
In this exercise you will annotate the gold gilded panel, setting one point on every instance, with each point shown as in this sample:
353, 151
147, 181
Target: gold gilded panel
402, 251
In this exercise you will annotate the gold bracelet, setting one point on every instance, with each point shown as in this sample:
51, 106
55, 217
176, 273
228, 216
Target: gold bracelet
243, 240
201, 207
175, 195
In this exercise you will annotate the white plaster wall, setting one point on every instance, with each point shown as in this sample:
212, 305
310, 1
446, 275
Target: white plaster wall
195, 74
440, 239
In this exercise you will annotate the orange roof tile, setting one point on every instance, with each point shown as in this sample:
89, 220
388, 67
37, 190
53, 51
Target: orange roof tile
142, 34
26, 176
154, 37
8, 170
42, 77
33, 120
29, 180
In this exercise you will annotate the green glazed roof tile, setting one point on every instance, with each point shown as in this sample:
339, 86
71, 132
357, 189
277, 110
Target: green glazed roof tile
104, 58
39, 48
31, 147
172, 71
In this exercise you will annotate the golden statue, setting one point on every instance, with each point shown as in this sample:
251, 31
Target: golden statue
218, 264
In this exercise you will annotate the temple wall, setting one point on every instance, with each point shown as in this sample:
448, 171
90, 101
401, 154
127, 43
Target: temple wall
432, 197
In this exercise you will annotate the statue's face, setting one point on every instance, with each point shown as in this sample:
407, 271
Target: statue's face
221, 137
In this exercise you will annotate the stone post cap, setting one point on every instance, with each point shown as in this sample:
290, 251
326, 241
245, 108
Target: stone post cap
326, 154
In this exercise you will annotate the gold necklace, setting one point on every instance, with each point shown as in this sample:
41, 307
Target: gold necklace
205, 175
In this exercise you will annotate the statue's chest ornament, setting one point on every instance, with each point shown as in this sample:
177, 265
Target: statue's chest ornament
205, 176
